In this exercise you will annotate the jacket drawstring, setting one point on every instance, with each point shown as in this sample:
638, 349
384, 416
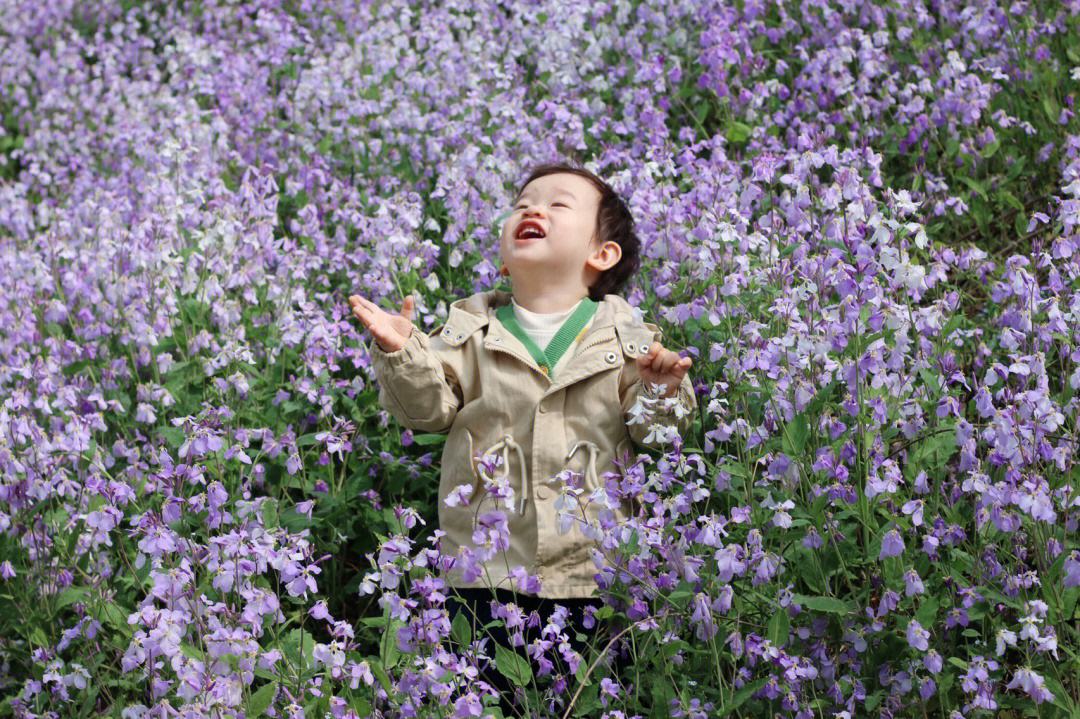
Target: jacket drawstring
506, 444
590, 470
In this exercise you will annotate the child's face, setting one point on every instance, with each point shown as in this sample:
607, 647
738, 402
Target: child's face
564, 206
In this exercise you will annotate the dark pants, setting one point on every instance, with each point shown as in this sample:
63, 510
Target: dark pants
475, 604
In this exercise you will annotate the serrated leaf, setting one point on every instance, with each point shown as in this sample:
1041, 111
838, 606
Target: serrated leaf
512, 666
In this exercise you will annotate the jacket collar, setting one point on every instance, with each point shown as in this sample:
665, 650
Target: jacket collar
471, 313
615, 323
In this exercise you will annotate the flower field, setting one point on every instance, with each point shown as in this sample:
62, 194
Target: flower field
861, 221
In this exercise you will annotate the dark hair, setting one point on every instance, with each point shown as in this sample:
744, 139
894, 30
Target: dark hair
613, 223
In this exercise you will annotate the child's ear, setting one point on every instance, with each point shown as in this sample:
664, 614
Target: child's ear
605, 258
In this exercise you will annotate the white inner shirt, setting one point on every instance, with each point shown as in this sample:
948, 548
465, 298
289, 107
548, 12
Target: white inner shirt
542, 326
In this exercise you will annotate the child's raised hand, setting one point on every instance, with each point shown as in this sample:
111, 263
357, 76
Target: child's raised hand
662, 366
390, 331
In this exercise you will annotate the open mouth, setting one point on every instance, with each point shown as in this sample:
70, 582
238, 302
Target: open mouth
529, 230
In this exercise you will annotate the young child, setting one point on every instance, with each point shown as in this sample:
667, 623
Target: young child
535, 388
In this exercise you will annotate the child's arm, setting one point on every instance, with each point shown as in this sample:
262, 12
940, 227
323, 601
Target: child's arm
418, 374
417, 386
657, 366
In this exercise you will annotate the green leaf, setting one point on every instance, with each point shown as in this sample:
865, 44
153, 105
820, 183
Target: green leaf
192, 651
823, 604
735, 470
461, 630
86, 709
512, 666
973, 184
1050, 107
958, 663
70, 595
388, 648
1061, 697
114, 615
989, 151
427, 439
934, 451
1009, 199
270, 513
173, 436
38, 638
927, 612
738, 132
796, 434
1020, 224
680, 597
260, 700
779, 625
740, 697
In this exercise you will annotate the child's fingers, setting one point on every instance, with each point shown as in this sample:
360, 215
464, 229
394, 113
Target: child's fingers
667, 362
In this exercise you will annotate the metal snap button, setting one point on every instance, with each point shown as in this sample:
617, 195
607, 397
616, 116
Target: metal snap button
460, 336
542, 493
631, 348
610, 357
497, 339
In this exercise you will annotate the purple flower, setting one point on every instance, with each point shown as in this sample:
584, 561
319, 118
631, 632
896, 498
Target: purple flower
914, 508
608, 688
459, 496
917, 637
6, 570
702, 618
468, 706
1072, 570
320, 611
1031, 683
913, 583
932, 662
892, 544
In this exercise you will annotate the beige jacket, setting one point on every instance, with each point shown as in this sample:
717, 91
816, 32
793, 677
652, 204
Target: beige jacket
477, 380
